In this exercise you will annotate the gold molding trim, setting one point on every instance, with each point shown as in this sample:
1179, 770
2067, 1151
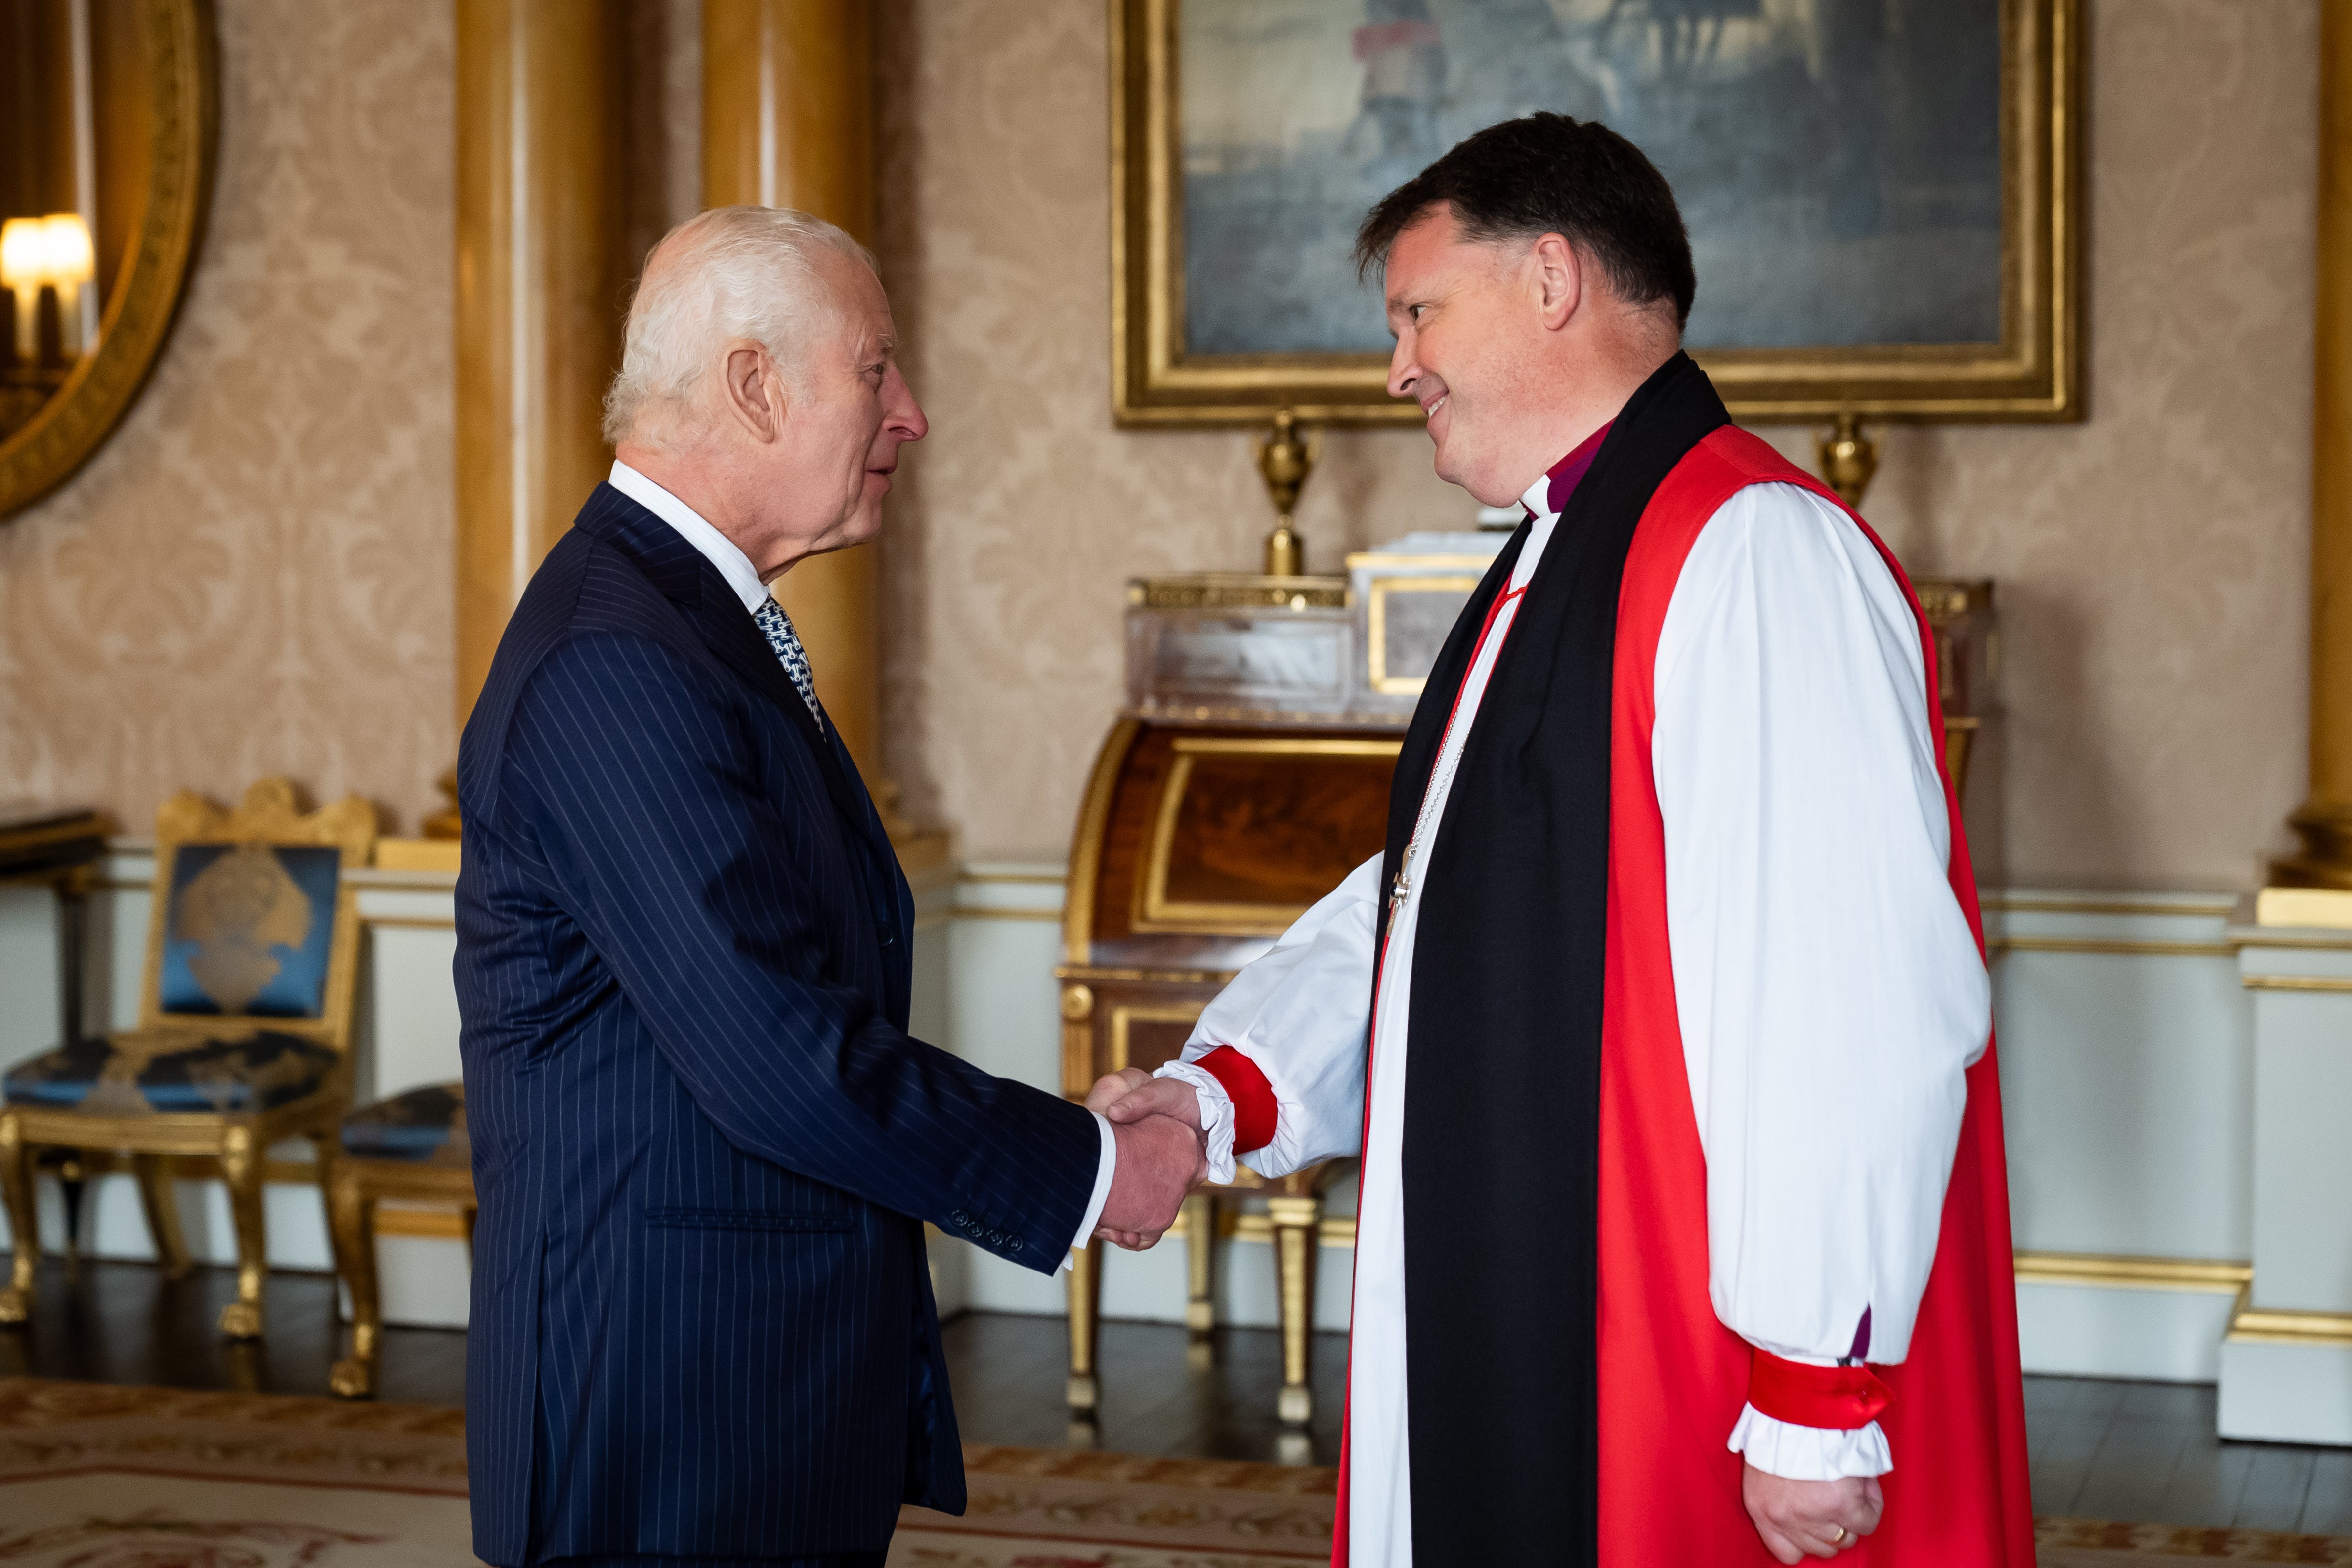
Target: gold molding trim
1133, 974
2112, 1271
2033, 373
1014, 878
1086, 842
2096, 945
1376, 629
412, 921
1051, 916
2029, 903
431, 1224
183, 112
2249, 1325
1124, 1015
2297, 982
1154, 911
1237, 590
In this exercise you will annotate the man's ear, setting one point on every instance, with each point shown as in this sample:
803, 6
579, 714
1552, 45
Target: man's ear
754, 394
1558, 275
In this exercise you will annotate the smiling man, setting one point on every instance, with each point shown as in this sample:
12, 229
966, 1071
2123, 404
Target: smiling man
704, 1143
1663, 1025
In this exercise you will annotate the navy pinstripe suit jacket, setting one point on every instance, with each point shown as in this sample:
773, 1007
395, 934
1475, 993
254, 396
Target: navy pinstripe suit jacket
703, 1139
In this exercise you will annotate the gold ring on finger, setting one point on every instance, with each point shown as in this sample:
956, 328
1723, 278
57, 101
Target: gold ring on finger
1839, 1539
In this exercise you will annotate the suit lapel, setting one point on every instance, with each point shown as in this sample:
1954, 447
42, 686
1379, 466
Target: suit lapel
690, 582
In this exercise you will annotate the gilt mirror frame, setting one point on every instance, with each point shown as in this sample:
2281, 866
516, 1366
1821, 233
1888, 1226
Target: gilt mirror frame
2033, 373
184, 109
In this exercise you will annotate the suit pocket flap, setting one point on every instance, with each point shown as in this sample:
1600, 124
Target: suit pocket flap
678, 1218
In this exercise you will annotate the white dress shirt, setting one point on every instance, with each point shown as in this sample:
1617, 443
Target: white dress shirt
744, 578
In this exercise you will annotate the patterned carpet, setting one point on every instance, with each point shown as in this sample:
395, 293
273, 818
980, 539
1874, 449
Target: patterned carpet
98, 1476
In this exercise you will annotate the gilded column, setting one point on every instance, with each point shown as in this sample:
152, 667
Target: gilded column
2325, 820
788, 122
538, 293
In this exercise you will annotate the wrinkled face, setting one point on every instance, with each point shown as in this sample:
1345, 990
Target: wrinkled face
848, 416
1461, 313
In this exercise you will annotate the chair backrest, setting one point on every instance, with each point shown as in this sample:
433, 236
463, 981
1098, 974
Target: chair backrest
256, 923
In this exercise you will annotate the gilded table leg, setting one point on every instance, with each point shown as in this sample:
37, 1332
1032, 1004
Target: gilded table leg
241, 1163
1085, 1309
157, 1196
1296, 1222
351, 1217
24, 1222
1199, 1274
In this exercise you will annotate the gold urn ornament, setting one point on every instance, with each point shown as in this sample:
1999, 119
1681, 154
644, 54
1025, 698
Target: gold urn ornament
1849, 459
1284, 461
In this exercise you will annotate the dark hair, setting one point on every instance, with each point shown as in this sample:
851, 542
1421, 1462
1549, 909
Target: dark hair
1546, 173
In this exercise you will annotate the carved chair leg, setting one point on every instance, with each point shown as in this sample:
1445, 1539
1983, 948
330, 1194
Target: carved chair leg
73, 1184
24, 1222
242, 1158
1086, 1309
1199, 1274
158, 1196
351, 1212
1296, 1222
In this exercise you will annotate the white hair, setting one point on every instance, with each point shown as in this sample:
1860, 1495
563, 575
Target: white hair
721, 276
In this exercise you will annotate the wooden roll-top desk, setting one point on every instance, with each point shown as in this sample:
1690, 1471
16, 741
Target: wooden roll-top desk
1198, 843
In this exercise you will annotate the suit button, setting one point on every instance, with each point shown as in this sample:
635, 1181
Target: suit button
1016, 1244
960, 1216
883, 931
996, 1238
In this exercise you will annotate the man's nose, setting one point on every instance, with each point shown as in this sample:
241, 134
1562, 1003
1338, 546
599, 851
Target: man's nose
905, 415
1403, 370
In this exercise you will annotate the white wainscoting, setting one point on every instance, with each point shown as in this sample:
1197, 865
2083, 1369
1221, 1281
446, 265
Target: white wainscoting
2126, 1053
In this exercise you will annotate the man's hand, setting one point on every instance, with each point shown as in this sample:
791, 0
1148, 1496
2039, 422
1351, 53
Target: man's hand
1159, 1162
1811, 1519
1139, 1095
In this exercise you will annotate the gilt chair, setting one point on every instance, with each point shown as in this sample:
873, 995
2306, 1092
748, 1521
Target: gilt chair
243, 1036
411, 1148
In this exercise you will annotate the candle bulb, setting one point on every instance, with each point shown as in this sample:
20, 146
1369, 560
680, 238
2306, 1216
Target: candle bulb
72, 266
23, 267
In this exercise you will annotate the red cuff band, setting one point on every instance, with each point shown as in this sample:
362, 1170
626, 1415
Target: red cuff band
1838, 1397
1252, 1095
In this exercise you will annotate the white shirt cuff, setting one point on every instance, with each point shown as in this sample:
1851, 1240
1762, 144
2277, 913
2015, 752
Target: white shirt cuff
1216, 1116
1102, 1188
1809, 1453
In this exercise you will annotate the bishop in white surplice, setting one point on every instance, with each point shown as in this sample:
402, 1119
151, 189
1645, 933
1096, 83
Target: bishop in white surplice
1813, 931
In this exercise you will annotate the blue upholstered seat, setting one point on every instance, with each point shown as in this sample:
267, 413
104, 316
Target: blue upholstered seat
423, 1126
146, 1073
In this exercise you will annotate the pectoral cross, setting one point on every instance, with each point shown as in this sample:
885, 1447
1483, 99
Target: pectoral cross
1403, 879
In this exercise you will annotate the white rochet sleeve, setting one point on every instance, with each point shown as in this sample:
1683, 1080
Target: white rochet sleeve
1830, 992
1301, 1012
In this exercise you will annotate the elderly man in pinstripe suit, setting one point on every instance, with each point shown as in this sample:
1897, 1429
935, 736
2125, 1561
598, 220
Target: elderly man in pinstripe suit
704, 1142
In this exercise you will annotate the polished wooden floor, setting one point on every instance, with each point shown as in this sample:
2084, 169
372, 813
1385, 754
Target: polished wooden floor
2101, 1450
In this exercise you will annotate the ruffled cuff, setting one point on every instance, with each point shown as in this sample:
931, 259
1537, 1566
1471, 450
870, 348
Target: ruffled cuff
1809, 1453
1216, 1116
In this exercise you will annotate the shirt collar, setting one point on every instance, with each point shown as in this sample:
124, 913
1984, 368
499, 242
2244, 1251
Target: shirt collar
1547, 498
717, 548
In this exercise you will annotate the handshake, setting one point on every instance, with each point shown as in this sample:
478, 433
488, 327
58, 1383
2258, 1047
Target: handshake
1162, 1153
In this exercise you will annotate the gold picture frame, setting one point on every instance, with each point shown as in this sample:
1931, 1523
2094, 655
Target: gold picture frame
2034, 373
182, 120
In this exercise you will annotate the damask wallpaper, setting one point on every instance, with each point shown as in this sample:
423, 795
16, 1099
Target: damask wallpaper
2152, 561
255, 575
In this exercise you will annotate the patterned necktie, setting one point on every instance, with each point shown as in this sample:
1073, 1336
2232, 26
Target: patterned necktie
778, 628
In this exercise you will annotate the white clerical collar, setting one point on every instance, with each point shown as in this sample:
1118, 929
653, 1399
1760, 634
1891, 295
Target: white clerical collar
1536, 498
733, 563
